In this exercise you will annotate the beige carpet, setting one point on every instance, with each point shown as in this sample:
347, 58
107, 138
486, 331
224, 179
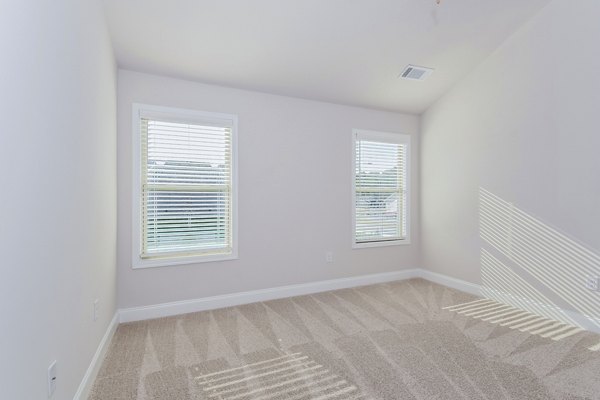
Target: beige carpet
388, 341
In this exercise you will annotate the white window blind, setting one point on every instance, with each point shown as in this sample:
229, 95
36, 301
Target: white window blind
186, 188
380, 187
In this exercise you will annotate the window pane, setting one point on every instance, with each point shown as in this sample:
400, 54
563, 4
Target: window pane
186, 188
380, 191
377, 216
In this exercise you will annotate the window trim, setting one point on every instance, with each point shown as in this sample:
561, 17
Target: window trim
177, 115
388, 137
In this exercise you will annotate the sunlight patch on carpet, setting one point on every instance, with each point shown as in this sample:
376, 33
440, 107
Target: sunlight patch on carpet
290, 376
514, 318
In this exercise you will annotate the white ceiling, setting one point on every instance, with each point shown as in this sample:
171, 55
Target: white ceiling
342, 51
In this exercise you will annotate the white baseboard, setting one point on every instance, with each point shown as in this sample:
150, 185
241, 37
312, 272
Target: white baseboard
90, 375
588, 323
546, 310
453, 283
235, 299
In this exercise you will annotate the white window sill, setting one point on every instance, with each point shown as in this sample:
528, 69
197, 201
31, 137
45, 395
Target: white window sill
385, 243
139, 263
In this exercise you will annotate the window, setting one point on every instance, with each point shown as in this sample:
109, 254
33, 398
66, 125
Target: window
184, 186
380, 186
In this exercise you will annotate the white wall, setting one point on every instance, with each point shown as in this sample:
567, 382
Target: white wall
524, 125
58, 202
294, 192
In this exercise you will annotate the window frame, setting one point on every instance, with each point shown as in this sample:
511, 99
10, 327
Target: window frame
386, 137
182, 116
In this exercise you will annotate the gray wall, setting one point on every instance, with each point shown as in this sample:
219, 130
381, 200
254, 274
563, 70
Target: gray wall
294, 192
524, 126
58, 202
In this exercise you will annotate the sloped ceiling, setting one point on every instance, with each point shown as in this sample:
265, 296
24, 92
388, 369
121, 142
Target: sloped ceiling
342, 51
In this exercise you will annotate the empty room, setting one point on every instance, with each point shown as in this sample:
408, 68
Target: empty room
300, 199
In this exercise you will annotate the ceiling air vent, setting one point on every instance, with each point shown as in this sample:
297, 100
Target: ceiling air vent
415, 73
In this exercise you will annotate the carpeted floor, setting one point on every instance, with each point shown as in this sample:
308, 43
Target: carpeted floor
388, 341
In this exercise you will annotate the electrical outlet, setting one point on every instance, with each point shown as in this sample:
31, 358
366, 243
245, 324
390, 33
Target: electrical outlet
51, 379
593, 283
329, 257
96, 308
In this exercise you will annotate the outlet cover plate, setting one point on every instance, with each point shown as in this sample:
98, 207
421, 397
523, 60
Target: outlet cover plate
52, 379
329, 257
593, 283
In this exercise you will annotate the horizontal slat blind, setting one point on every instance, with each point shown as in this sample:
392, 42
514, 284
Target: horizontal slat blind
186, 188
380, 185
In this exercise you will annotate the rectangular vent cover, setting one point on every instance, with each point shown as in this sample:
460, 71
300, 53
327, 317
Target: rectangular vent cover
416, 73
